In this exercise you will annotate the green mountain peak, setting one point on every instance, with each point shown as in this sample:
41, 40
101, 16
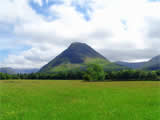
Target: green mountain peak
77, 55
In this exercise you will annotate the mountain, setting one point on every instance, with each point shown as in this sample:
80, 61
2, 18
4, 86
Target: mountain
16, 71
77, 55
135, 65
27, 71
7, 70
153, 64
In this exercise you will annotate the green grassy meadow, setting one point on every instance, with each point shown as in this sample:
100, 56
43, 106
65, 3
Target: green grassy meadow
79, 100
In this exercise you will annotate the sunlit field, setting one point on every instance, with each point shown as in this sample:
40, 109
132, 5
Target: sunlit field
79, 100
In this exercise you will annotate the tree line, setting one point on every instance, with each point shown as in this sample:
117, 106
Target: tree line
93, 72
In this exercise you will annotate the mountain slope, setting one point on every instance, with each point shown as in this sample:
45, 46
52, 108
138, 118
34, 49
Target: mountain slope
153, 64
77, 55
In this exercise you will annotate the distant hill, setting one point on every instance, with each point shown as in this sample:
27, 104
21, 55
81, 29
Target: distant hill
27, 71
77, 55
7, 70
153, 64
15, 71
135, 65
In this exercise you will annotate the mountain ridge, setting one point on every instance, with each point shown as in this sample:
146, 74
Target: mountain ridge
152, 64
132, 65
7, 70
10, 70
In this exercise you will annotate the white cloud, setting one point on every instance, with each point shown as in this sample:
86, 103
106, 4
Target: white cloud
120, 29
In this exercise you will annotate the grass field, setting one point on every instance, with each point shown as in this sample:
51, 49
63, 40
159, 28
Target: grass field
78, 100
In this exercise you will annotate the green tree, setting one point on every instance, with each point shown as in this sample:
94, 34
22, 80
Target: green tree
152, 75
94, 72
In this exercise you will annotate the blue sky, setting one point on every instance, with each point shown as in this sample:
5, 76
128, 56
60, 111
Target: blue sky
43, 9
32, 32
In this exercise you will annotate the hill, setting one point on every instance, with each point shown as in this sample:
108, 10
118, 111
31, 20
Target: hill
135, 65
16, 71
26, 71
77, 56
153, 64
7, 70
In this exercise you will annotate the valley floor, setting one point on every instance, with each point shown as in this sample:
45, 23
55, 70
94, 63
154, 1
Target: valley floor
79, 100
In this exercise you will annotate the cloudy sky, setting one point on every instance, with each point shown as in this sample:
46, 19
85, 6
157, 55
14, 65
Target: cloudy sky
32, 32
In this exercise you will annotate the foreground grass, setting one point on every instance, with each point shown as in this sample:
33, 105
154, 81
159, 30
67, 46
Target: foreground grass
78, 100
